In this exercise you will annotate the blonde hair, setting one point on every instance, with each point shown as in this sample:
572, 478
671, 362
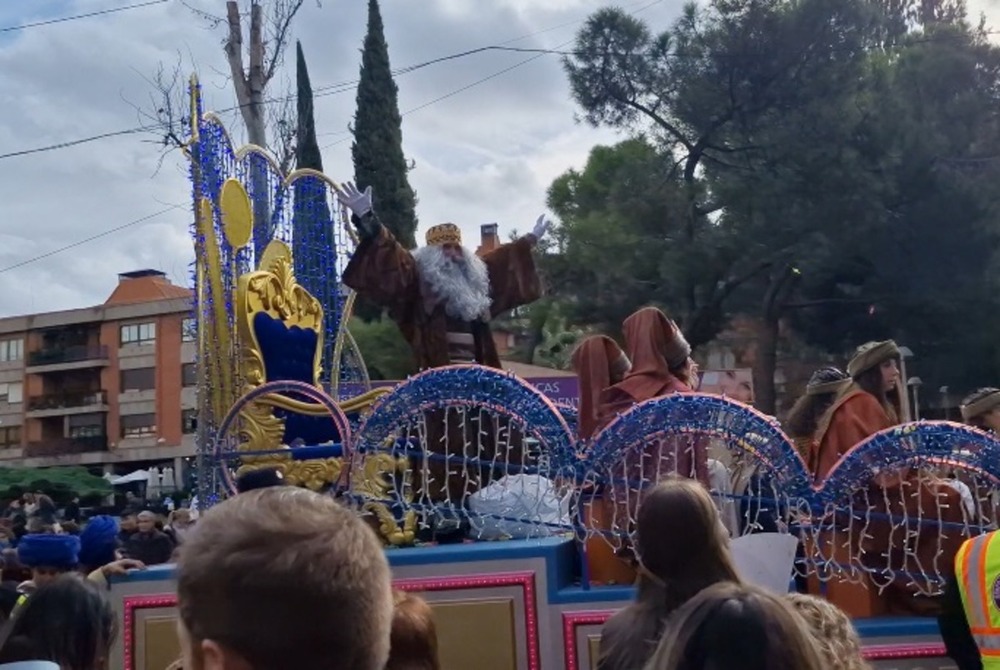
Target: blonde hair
832, 632
736, 626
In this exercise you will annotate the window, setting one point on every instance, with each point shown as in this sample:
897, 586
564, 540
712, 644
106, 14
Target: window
12, 393
189, 421
138, 425
10, 437
138, 333
189, 330
11, 350
139, 379
189, 375
86, 425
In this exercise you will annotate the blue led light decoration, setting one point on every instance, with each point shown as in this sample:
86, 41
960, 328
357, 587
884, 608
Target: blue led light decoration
738, 426
300, 210
496, 391
936, 444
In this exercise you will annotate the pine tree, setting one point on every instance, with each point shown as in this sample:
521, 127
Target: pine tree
378, 137
313, 241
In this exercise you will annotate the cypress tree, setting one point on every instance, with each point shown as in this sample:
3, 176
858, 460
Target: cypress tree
307, 154
378, 137
313, 238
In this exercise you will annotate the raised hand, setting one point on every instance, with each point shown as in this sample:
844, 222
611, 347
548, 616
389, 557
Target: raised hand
542, 226
360, 203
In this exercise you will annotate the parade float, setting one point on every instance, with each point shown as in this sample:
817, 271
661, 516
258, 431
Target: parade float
516, 582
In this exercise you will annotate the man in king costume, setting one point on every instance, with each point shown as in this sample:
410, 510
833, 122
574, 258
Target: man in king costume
442, 296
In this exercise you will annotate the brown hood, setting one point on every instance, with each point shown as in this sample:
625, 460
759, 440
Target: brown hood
598, 362
651, 340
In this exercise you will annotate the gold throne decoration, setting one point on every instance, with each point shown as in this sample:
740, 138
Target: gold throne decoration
280, 327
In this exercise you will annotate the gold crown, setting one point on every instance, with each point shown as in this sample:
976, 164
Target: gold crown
444, 233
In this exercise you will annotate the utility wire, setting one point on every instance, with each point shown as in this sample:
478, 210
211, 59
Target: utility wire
330, 89
64, 19
89, 239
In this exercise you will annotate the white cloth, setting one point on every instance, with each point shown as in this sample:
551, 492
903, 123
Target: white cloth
30, 665
517, 506
966, 494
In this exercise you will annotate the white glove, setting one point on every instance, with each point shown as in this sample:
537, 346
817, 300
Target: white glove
359, 203
542, 226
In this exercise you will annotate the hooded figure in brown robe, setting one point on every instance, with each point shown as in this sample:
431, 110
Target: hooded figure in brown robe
598, 362
442, 296
896, 498
661, 364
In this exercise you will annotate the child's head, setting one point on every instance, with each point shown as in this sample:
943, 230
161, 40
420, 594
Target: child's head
283, 578
732, 626
832, 631
414, 638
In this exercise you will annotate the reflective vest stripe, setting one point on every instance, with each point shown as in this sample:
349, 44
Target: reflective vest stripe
977, 566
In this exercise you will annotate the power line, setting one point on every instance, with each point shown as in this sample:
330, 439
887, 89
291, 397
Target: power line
64, 19
330, 89
89, 239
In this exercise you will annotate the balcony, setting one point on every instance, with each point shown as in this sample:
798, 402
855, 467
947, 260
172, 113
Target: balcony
66, 446
75, 357
63, 404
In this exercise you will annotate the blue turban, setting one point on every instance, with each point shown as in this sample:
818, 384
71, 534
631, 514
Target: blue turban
98, 542
49, 551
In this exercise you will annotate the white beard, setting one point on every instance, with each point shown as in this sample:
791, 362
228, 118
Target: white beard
463, 286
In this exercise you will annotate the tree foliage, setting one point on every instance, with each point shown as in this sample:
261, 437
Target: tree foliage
385, 352
378, 137
829, 163
61, 484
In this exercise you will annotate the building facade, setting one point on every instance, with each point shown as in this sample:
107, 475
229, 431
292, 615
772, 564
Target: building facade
110, 387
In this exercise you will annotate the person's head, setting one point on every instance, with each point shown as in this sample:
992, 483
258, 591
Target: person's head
832, 632
981, 409
48, 555
875, 367
128, 522
598, 362
98, 542
68, 621
414, 644
145, 522
281, 578
454, 276
670, 571
658, 351
678, 507
730, 626
259, 479
822, 389
180, 518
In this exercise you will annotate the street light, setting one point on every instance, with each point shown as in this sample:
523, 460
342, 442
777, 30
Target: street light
915, 383
904, 353
944, 402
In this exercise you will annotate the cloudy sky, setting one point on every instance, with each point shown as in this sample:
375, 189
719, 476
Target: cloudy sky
485, 154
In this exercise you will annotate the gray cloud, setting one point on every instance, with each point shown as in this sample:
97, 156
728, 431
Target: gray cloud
487, 154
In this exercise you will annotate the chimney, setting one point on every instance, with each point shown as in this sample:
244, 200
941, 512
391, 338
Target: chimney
489, 238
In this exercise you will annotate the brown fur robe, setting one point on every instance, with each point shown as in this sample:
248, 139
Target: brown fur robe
386, 273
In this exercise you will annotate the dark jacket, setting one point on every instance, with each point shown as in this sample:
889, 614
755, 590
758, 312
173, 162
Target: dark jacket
955, 631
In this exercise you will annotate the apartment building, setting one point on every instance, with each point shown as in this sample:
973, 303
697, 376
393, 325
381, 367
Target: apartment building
110, 387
